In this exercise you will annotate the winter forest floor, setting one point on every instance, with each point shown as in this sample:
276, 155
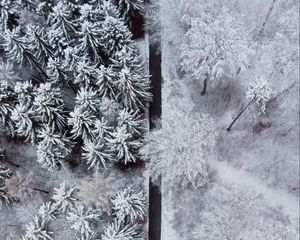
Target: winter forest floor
250, 158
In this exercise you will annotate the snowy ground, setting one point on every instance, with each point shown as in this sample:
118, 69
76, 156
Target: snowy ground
258, 156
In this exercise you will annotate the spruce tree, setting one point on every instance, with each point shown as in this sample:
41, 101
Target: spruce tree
49, 106
132, 82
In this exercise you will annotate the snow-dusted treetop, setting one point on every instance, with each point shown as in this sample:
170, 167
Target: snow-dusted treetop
178, 151
260, 92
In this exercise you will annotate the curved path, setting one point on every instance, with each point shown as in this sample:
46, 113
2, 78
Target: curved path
276, 198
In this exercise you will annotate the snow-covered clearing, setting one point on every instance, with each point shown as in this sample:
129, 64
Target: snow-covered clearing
286, 202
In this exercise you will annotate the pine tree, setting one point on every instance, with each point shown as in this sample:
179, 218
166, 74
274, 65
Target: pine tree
65, 197
23, 118
41, 49
36, 230
52, 147
132, 83
88, 12
129, 7
89, 40
18, 50
117, 230
81, 120
114, 35
5, 198
4, 173
106, 82
6, 72
83, 220
48, 105
48, 212
57, 41
133, 121
88, 98
7, 9
55, 71
129, 205
7, 101
60, 19
85, 72
96, 153
123, 144
108, 8
25, 92
102, 129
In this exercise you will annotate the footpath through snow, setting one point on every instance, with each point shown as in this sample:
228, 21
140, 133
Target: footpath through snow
276, 198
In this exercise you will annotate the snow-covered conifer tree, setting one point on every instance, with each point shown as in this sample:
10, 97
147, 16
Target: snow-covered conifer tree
109, 109
97, 153
7, 101
60, 19
41, 49
81, 120
49, 106
5, 173
52, 148
108, 8
18, 49
6, 72
133, 120
88, 98
117, 230
57, 41
89, 40
5, 198
36, 230
56, 72
85, 72
25, 92
129, 7
102, 129
65, 197
106, 82
114, 35
123, 144
7, 9
23, 118
129, 205
48, 212
83, 219
132, 82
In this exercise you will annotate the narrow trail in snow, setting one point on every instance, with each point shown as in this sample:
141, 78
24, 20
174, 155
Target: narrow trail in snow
286, 202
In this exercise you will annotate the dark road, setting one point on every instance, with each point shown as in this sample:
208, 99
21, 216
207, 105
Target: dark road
154, 114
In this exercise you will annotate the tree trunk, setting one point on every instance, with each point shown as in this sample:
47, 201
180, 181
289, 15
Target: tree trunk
240, 114
203, 92
40, 190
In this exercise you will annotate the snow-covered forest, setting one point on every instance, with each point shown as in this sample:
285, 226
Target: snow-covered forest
104, 101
